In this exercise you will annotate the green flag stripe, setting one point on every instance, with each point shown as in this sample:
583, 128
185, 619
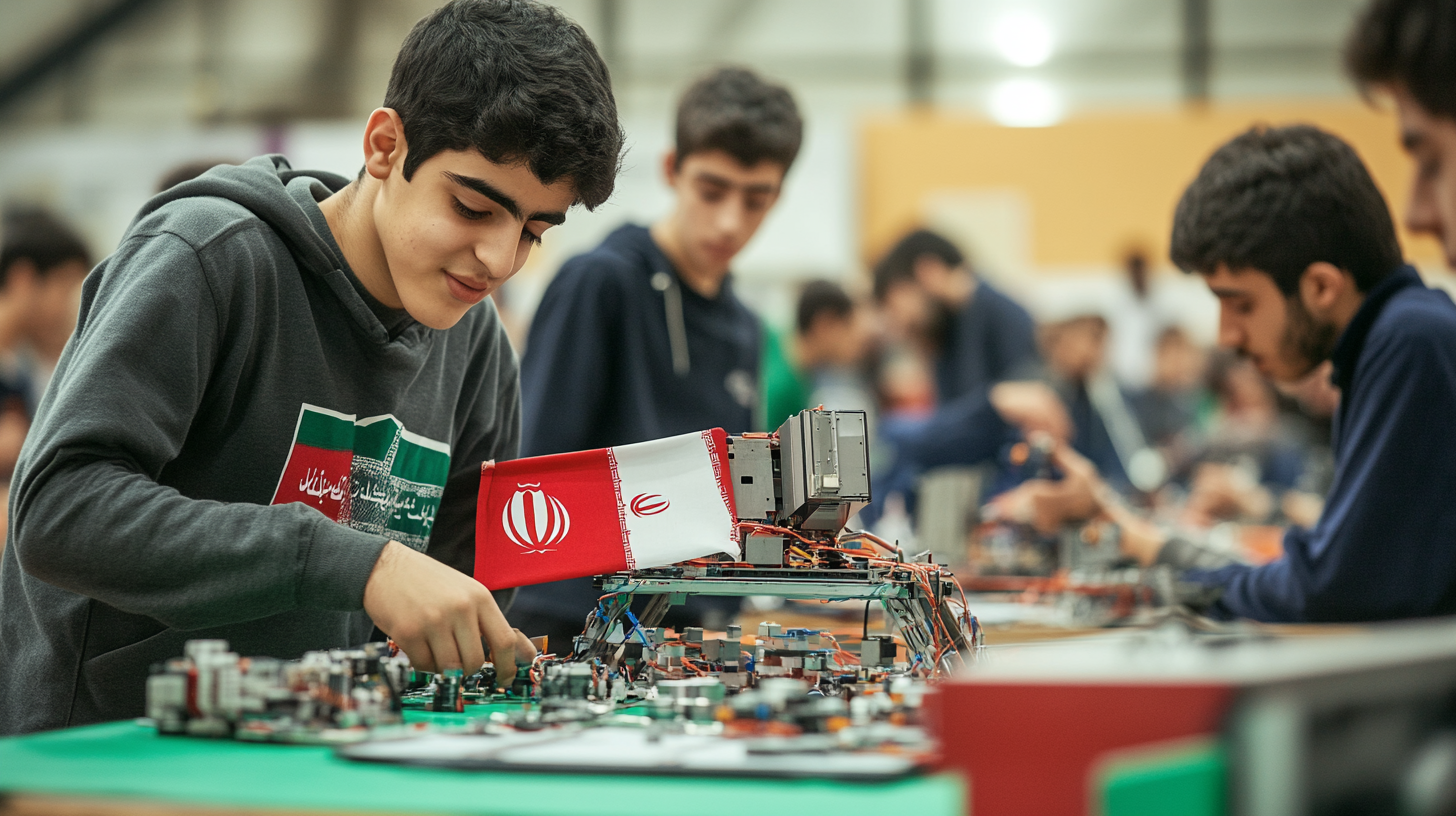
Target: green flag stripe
323, 431
374, 439
420, 464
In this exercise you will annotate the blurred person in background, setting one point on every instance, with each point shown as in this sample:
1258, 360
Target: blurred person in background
1254, 450
982, 348
1134, 334
643, 337
1104, 426
1169, 409
42, 264
975, 335
822, 361
1291, 234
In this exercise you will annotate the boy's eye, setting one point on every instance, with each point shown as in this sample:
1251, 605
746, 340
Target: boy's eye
712, 192
533, 238
466, 212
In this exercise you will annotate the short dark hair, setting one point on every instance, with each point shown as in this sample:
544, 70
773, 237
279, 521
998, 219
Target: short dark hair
1280, 199
734, 110
821, 297
899, 263
516, 80
1410, 43
36, 235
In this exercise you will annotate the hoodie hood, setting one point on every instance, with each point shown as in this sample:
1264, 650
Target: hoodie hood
261, 185
286, 200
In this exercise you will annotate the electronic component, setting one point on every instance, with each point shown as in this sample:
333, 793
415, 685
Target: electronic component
329, 696
825, 464
449, 691
818, 464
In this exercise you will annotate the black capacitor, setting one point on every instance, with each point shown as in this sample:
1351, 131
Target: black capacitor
449, 691
522, 686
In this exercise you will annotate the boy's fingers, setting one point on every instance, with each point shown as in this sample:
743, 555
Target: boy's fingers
501, 639
446, 653
504, 659
467, 640
420, 656
525, 647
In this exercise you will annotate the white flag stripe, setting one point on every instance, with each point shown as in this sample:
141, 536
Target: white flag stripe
680, 510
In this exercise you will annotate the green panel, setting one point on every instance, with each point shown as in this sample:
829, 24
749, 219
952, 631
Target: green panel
375, 439
418, 463
324, 431
128, 760
1187, 781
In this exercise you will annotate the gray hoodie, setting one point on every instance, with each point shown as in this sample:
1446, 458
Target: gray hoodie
232, 435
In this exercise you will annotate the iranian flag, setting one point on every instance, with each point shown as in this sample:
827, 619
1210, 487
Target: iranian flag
570, 515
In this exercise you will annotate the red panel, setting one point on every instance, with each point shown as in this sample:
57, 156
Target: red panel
1029, 749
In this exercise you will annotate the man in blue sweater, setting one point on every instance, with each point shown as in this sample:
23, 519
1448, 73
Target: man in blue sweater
643, 337
1294, 239
981, 337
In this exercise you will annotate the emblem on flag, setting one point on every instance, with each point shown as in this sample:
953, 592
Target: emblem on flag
534, 520
648, 504
621, 517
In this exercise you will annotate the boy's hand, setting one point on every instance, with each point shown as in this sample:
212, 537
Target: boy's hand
1048, 505
439, 617
1033, 407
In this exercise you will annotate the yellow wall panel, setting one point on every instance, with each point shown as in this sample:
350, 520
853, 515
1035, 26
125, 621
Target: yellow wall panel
1094, 183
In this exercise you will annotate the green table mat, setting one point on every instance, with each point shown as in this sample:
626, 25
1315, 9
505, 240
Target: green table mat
123, 759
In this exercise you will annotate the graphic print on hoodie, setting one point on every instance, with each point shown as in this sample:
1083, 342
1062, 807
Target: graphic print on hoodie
370, 474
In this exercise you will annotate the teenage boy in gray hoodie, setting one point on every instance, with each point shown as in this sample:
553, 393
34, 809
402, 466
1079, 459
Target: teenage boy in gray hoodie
269, 424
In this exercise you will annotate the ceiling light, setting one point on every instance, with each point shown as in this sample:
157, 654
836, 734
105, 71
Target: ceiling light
1026, 103
1023, 38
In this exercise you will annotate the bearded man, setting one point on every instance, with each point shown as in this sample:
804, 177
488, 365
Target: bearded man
1290, 233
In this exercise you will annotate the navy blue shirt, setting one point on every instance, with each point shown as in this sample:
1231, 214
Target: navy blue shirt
611, 358
1385, 546
989, 340
620, 351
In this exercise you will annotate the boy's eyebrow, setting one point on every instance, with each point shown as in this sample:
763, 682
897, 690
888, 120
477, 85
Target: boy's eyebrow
507, 203
718, 180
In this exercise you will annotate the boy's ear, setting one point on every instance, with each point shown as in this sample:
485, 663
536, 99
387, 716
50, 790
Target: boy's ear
669, 167
1322, 287
384, 143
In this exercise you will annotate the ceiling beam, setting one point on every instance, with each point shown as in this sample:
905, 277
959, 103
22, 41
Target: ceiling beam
70, 46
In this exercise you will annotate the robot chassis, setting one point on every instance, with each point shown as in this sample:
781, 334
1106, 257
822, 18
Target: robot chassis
794, 491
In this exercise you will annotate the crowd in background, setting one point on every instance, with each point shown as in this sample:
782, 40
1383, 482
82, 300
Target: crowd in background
1196, 434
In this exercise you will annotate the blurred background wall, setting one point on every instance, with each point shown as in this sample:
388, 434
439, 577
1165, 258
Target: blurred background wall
1048, 136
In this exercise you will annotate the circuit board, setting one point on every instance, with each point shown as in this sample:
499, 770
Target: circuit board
787, 693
